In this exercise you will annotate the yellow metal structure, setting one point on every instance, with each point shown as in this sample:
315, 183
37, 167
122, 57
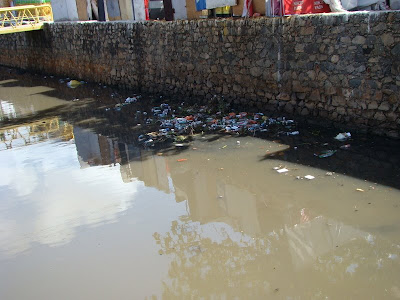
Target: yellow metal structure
24, 18
35, 132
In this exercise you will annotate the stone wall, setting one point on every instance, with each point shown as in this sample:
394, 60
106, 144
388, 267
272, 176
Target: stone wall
341, 67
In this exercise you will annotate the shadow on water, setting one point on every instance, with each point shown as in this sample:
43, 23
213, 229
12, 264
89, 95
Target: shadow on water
372, 158
98, 109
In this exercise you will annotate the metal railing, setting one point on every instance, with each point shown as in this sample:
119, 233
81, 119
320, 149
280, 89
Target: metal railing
24, 18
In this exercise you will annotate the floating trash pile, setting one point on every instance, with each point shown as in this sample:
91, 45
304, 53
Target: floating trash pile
178, 124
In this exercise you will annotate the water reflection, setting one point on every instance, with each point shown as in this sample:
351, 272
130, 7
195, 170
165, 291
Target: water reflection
247, 231
45, 129
46, 196
212, 260
32, 132
243, 238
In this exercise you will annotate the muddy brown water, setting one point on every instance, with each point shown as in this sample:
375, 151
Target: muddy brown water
86, 214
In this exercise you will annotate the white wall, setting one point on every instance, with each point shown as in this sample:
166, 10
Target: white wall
140, 14
64, 10
395, 4
180, 9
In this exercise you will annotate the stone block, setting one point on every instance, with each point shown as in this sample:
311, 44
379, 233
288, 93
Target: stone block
335, 59
310, 105
283, 96
396, 50
384, 106
359, 40
315, 96
298, 87
322, 76
345, 40
256, 71
299, 48
311, 74
301, 96
393, 134
355, 82
380, 116
387, 39
368, 114
341, 110
393, 99
305, 112
373, 105
329, 88
309, 30
392, 116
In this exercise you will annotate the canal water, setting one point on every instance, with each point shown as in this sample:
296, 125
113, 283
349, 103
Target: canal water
87, 213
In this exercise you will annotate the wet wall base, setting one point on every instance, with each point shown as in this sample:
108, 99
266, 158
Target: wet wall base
339, 67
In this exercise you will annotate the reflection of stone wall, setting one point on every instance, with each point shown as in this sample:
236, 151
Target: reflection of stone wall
342, 67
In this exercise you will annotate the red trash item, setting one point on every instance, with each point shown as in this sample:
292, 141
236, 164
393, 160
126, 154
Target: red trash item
296, 7
182, 159
189, 118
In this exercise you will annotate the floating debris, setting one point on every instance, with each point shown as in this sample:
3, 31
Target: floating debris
293, 133
325, 153
343, 136
179, 124
309, 177
344, 147
74, 84
131, 100
370, 239
283, 170
351, 268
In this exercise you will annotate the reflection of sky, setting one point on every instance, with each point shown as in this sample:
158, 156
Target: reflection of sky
45, 195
